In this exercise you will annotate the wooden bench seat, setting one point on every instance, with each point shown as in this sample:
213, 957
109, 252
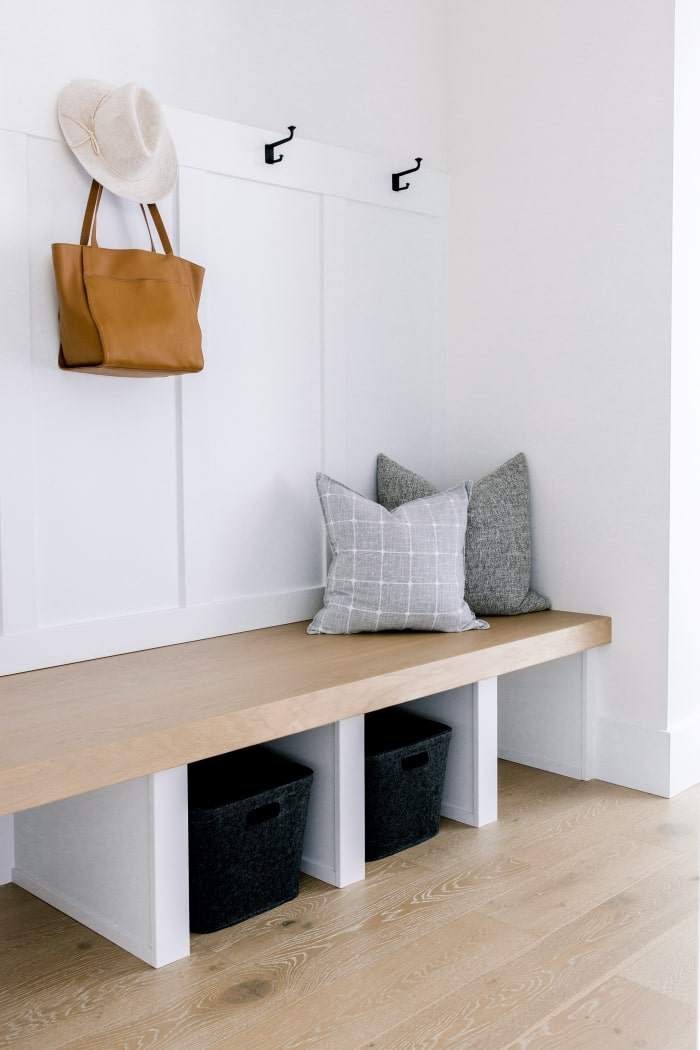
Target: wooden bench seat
122, 729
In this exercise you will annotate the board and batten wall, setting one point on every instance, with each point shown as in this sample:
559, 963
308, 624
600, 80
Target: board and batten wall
142, 512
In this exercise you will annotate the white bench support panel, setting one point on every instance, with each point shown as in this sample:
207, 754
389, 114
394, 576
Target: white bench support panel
471, 782
169, 874
7, 848
589, 705
485, 751
350, 800
115, 859
334, 842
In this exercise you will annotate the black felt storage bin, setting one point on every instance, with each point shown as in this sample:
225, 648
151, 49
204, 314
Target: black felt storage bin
405, 764
247, 813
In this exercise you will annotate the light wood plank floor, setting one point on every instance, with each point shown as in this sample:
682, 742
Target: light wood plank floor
571, 923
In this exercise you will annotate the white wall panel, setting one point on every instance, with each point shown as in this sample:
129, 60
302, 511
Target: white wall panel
105, 463
261, 318
395, 340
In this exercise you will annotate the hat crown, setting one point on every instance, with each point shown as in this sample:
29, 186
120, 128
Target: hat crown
128, 129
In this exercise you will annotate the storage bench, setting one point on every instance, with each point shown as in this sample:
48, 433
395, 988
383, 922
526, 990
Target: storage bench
102, 747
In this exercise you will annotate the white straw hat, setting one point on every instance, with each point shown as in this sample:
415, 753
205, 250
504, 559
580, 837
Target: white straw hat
120, 137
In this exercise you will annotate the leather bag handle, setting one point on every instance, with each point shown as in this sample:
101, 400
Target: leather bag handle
88, 233
160, 226
91, 207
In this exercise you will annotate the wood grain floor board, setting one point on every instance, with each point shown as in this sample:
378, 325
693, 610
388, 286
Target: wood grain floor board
335, 1013
23, 916
617, 1013
493, 1010
454, 943
559, 892
675, 825
374, 999
582, 814
670, 964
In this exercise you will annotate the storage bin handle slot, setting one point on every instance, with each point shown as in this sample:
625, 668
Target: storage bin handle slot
263, 813
415, 761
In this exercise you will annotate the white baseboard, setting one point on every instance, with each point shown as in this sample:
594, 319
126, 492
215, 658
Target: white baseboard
459, 813
633, 756
320, 871
118, 936
685, 755
660, 761
545, 762
7, 848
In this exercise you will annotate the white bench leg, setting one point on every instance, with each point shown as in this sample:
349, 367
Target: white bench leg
471, 782
116, 861
334, 842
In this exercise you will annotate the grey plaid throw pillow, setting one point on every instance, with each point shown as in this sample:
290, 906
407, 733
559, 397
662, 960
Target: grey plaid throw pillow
394, 570
497, 547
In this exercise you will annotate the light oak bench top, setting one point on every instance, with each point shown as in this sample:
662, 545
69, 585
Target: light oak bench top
69, 729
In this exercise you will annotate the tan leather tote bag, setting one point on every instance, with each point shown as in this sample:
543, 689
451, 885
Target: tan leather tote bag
126, 311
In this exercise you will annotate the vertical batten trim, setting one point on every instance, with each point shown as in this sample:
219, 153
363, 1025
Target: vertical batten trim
178, 449
334, 425
180, 496
440, 368
334, 439
192, 427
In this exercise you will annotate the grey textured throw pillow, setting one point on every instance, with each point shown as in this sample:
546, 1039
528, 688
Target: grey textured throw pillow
394, 570
497, 547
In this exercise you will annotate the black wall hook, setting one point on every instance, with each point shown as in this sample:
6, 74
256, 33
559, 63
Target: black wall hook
270, 157
397, 176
